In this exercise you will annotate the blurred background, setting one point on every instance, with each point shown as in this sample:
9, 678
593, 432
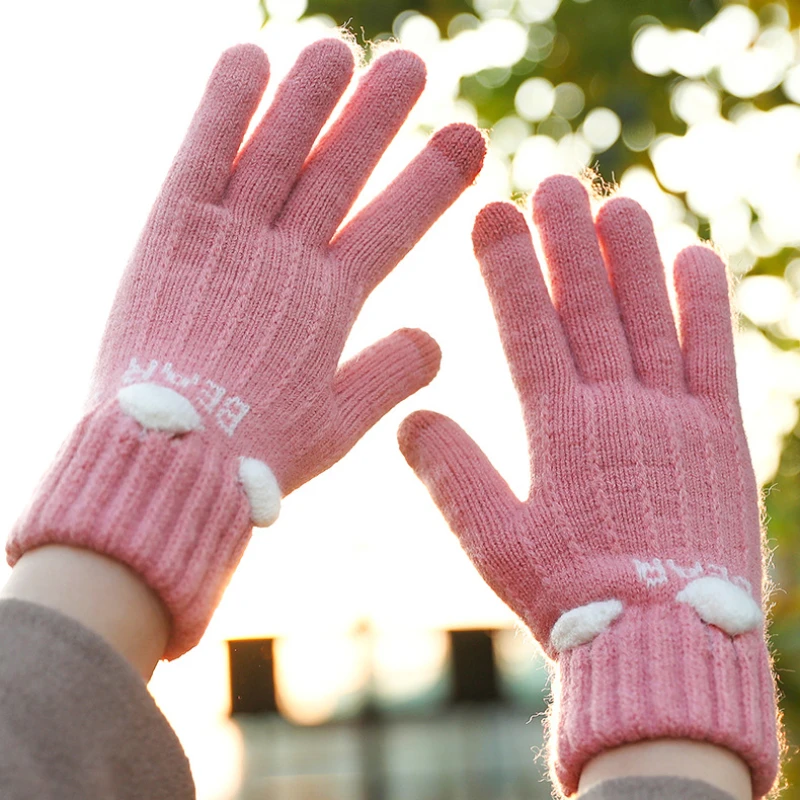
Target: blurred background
356, 653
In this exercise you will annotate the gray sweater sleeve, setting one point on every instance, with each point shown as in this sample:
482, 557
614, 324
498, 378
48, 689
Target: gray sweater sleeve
657, 788
76, 720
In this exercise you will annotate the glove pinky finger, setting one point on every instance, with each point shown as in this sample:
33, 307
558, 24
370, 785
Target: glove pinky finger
469, 491
706, 323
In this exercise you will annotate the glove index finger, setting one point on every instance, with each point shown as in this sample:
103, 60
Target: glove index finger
533, 338
381, 234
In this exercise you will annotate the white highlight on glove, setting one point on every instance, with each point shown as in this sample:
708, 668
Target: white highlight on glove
262, 491
582, 624
722, 603
159, 408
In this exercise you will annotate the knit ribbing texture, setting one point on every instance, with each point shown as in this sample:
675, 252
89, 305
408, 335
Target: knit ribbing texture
641, 486
229, 323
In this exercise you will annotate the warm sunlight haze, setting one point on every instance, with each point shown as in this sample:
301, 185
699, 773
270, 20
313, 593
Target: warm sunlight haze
97, 97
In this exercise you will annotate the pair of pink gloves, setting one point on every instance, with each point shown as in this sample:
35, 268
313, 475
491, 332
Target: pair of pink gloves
636, 560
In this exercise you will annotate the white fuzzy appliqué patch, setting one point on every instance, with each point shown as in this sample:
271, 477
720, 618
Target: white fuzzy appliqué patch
262, 491
159, 408
722, 603
581, 625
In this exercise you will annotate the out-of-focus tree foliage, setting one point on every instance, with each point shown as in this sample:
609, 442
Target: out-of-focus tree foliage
783, 508
589, 43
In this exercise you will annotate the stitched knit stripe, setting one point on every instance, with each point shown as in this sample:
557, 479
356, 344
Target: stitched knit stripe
169, 507
659, 672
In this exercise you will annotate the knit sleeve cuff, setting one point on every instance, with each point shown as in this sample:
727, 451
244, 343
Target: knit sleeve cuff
660, 672
169, 507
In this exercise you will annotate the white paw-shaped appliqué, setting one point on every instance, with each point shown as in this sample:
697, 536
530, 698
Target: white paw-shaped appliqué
582, 624
722, 603
158, 408
262, 491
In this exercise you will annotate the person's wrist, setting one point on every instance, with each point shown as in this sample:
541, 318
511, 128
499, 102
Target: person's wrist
102, 594
657, 673
170, 508
680, 758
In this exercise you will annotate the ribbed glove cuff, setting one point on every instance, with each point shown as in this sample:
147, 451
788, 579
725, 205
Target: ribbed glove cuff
169, 507
660, 672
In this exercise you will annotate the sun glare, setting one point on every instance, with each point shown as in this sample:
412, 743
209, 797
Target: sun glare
363, 548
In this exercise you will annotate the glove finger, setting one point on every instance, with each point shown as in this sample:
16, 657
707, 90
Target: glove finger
706, 323
581, 291
373, 243
267, 168
369, 385
474, 499
533, 338
202, 167
636, 273
339, 166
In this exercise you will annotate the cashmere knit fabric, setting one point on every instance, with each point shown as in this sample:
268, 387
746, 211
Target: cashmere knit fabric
636, 560
218, 387
78, 722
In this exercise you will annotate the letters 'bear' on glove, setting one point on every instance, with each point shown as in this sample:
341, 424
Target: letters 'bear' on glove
218, 388
636, 560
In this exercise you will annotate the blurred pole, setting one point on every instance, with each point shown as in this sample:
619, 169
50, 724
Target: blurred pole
372, 750
476, 688
252, 676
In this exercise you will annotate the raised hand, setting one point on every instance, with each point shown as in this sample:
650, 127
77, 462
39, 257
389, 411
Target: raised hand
636, 559
218, 388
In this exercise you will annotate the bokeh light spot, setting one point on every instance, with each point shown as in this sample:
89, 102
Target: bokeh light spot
509, 133
493, 8
494, 77
732, 30
638, 135
462, 22
417, 31
651, 49
533, 162
574, 152
763, 299
690, 53
286, 10
601, 128
535, 99
792, 274
569, 100
537, 10
555, 127
730, 226
751, 72
503, 42
695, 101
791, 83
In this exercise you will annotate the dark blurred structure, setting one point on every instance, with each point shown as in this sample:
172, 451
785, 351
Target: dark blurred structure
252, 676
474, 745
474, 671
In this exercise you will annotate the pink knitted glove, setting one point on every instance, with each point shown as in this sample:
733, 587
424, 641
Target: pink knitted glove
217, 389
636, 560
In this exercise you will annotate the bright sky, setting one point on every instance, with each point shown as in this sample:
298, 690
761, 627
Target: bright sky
96, 98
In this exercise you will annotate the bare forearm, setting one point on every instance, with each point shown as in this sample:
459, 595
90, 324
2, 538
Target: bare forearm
102, 594
682, 758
